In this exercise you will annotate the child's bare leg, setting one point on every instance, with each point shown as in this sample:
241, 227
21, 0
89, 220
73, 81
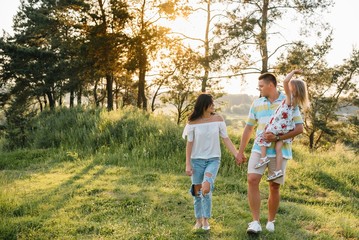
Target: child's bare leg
263, 151
279, 155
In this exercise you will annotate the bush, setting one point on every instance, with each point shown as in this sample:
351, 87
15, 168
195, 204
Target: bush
67, 128
91, 130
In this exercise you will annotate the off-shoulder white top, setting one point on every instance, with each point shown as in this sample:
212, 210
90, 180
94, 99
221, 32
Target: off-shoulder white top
205, 138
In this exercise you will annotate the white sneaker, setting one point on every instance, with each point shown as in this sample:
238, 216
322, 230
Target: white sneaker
254, 227
270, 226
197, 226
206, 227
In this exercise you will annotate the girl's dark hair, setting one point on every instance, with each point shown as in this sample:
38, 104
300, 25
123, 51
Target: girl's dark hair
202, 103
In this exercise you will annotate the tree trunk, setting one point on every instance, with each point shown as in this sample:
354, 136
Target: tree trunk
263, 37
141, 96
179, 116
45, 100
40, 103
95, 94
311, 140
51, 100
79, 96
116, 94
206, 48
109, 88
72, 97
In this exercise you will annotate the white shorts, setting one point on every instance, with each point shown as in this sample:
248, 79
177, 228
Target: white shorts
254, 159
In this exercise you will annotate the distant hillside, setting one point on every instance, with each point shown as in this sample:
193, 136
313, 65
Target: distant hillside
348, 111
237, 99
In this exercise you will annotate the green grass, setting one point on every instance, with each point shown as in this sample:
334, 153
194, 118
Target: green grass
138, 190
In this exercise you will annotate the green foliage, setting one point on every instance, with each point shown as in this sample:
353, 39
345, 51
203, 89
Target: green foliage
17, 125
15, 160
65, 128
91, 130
329, 89
120, 175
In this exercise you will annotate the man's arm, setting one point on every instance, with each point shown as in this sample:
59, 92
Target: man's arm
270, 137
247, 133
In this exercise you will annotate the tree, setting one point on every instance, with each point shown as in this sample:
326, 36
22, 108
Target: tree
210, 59
106, 42
30, 58
183, 84
251, 25
148, 37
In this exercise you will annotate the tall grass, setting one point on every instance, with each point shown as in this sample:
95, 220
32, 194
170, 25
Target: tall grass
129, 133
91, 174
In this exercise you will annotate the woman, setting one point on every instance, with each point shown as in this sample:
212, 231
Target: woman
203, 155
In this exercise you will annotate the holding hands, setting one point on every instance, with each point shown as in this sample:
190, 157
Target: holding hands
240, 158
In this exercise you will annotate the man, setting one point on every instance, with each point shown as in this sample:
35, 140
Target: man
260, 113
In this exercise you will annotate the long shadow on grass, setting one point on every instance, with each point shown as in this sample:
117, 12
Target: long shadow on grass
20, 164
312, 194
157, 206
329, 182
65, 190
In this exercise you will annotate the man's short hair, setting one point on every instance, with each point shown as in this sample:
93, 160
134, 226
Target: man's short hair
268, 77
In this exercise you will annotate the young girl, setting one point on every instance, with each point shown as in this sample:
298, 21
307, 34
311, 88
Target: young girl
282, 121
203, 155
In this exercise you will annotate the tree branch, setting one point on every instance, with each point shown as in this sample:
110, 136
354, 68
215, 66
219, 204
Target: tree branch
187, 37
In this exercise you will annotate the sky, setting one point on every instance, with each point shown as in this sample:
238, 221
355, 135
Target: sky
343, 19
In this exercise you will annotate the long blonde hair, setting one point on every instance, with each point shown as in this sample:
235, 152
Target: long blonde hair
300, 94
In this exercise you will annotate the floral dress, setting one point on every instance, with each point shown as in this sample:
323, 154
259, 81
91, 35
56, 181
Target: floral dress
280, 123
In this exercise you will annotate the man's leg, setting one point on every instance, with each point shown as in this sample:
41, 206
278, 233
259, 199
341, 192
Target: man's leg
254, 194
273, 200
274, 193
253, 178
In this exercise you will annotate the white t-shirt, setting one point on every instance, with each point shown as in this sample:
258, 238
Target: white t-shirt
205, 138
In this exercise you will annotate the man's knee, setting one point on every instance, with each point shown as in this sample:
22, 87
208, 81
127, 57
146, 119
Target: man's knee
253, 179
274, 187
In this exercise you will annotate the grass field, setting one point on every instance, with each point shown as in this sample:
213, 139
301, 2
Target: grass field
124, 190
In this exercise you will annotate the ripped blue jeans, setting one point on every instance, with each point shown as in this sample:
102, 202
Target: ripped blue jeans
204, 170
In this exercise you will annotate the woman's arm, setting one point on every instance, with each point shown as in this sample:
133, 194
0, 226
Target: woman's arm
188, 158
230, 146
